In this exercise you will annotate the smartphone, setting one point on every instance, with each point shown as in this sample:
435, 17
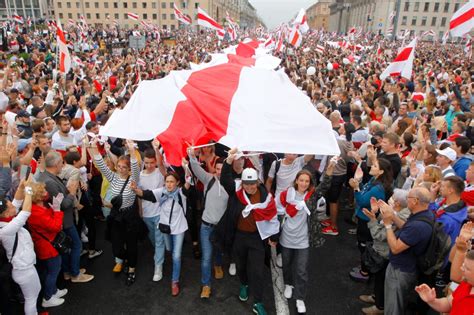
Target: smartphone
24, 172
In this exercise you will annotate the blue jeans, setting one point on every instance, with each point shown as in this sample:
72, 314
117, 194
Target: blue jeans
156, 238
71, 262
50, 269
175, 244
206, 248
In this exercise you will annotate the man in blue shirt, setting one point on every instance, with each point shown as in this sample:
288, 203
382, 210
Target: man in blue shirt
409, 242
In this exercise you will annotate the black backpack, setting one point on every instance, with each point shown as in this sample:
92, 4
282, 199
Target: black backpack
437, 250
277, 168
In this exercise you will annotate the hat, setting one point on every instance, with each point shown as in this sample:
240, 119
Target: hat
14, 90
36, 110
249, 176
448, 152
23, 113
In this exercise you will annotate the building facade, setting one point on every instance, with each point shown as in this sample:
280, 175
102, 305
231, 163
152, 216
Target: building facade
36, 9
318, 15
373, 15
161, 13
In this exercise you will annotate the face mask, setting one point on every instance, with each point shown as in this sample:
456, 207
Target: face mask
451, 107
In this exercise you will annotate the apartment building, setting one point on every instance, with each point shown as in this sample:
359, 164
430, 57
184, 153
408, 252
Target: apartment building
318, 15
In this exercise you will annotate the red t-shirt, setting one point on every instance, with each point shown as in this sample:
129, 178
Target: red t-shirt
468, 195
463, 300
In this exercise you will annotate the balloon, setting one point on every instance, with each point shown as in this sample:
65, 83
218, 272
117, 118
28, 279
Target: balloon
330, 66
345, 61
335, 65
311, 71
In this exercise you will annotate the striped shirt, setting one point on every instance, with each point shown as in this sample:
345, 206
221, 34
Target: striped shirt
116, 182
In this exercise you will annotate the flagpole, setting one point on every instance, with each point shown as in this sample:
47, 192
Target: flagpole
397, 15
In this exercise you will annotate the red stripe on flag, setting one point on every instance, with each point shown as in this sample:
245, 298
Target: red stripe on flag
62, 58
210, 21
463, 18
245, 50
404, 54
217, 86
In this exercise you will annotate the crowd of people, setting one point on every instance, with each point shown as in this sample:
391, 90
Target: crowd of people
405, 167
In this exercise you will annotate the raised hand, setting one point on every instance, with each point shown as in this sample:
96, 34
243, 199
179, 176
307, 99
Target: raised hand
426, 293
374, 205
56, 205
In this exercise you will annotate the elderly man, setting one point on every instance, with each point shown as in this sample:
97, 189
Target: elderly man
409, 242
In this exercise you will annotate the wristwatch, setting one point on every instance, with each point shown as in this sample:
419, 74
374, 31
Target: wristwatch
388, 226
28, 190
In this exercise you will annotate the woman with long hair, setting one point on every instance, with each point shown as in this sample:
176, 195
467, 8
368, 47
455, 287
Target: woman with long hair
380, 186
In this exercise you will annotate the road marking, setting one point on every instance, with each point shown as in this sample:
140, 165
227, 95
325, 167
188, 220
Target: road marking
281, 304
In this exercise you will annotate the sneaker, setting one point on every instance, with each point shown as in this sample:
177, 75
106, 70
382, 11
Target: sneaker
117, 268
288, 293
356, 269
60, 293
329, 230
67, 275
95, 253
218, 272
326, 222
279, 261
244, 293
259, 309
232, 269
372, 310
175, 288
158, 273
352, 231
52, 302
300, 307
82, 278
130, 278
84, 237
205, 292
84, 251
358, 276
367, 299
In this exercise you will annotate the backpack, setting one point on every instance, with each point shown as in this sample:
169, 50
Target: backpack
277, 168
437, 249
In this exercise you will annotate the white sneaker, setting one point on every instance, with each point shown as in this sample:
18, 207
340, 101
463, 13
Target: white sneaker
60, 293
300, 307
84, 238
232, 269
52, 302
288, 291
279, 261
158, 273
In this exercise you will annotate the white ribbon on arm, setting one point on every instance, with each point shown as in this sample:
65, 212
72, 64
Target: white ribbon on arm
299, 204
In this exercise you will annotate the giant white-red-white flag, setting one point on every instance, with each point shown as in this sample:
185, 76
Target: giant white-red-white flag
302, 21
64, 56
180, 16
462, 21
205, 20
402, 65
234, 103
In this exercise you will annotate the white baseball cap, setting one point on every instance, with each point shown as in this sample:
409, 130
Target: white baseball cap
249, 176
448, 152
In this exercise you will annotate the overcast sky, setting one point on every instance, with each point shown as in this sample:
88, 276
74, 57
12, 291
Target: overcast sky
273, 12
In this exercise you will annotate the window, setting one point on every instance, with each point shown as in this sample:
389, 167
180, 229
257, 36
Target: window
163, 5
78, 5
125, 5
78, 16
165, 26
171, 5
153, 5
145, 16
154, 16
427, 7
417, 7
60, 5
173, 27
88, 16
436, 7
407, 6
134, 5
163, 16
87, 5
68, 5
96, 5
106, 5
404, 20
172, 16
196, 5
115, 5
413, 20
116, 16
423, 21
183, 5
125, 16
144, 5
97, 16
69, 15
446, 7
443, 22
60, 15
456, 7
433, 21
440, 34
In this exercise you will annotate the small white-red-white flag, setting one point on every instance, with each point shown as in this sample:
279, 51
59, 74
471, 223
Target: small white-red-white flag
319, 49
136, 33
220, 34
428, 33
180, 16
132, 16
302, 21
71, 22
462, 21
402, 65
64, 56
17, 18
232, 33
205, 20
84, 22
296, 37
141, 62
445, 37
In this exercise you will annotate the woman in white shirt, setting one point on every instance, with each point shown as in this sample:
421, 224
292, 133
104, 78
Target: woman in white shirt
172, 224
19, 246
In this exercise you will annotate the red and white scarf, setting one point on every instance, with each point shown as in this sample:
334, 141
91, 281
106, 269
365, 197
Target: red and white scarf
291, 205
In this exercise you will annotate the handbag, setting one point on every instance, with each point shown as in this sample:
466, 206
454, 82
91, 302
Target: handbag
62, 242
116, 201
166, 228
372, 260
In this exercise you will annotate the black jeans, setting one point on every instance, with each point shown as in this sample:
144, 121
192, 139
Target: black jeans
379, 286
95, 186
295, 270
249, 254
86, 216
124, 237
363, 236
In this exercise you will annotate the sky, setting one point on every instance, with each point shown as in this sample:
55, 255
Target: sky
273, 12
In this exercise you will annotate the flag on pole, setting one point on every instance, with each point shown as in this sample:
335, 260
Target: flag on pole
295, 37
180, 16
445, 37
319, 49
132, 16
17, 18
206, 21
402, 65
462, 21
302, 21
141, 62
64, 56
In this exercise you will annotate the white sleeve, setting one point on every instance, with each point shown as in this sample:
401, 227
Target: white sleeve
271, 172
158, 192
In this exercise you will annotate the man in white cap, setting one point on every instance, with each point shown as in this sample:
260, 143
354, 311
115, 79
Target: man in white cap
445, 158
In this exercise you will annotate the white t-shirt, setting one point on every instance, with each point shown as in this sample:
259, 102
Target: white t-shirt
286, 174
151, 181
